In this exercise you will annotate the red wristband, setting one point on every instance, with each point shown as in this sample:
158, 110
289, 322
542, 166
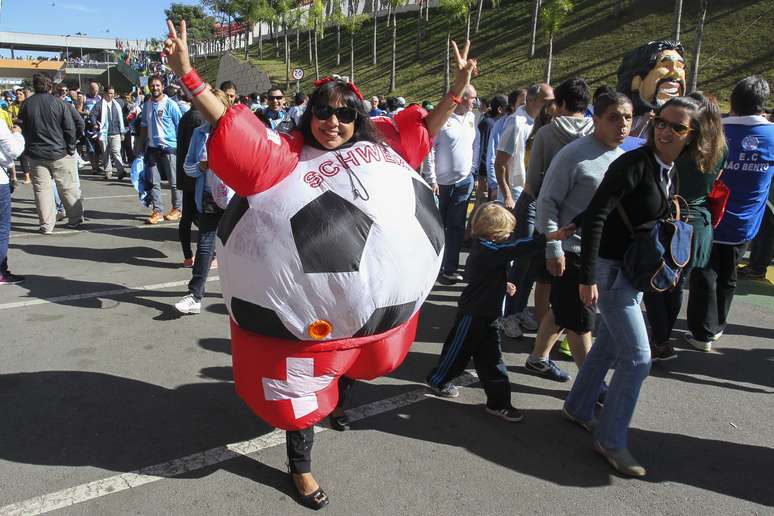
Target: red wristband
455, 99
193, 83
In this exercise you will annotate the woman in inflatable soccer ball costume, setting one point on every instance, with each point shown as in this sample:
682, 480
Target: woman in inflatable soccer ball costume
327, 251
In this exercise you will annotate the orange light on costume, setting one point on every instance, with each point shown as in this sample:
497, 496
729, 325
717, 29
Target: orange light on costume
319, 329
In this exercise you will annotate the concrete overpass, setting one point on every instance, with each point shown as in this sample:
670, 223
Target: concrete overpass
67, 44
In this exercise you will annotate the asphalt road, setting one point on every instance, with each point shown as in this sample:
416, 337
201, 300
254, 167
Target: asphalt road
110, 403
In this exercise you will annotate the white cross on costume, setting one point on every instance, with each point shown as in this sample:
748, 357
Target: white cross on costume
301, 386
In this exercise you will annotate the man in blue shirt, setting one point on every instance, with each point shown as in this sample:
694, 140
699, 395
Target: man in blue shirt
747, 173
158, 137
375, 111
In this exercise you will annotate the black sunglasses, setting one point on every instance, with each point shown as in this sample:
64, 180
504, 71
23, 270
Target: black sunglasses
681, 129
277, 97
345, 115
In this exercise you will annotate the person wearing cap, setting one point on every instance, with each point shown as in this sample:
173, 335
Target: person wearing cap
401, 102
375, 111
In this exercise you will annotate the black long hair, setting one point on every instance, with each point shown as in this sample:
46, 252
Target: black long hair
339, 91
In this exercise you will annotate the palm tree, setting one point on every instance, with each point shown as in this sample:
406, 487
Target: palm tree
317, 12
495, 4
337, 17
454, 11
553, 13
703, 6
352, 24
394, 4
535, 15
617, 8
677, 19
375, 19
282, 8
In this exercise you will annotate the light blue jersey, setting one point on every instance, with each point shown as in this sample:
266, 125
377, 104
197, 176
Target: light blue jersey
161, 120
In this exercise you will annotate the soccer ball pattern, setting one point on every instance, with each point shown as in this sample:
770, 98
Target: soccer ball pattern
355, 241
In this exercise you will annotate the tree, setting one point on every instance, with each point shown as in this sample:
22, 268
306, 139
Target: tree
694, 78
394, 4
535, 15
282, 8
317, 13
376, 18
677, 19
199, 23
352, 25
252, 12
418, 40
495, 4
617, 8
337, 18
453, 11
553, 13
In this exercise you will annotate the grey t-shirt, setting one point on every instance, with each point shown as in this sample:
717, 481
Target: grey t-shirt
569, 184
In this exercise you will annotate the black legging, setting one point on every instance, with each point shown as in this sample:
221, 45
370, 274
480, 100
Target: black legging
299, 442
184, 229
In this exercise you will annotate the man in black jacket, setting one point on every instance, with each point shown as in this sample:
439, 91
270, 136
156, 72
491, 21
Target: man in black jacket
49, 132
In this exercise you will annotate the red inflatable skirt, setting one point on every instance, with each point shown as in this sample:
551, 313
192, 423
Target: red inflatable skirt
294, 384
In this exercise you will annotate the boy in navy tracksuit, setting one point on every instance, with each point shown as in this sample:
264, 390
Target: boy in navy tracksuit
474, 333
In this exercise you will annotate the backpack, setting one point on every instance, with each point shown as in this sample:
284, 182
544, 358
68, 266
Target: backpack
659, 251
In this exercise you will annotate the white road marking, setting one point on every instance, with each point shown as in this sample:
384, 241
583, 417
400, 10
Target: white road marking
17, 235
103, 293
123, 481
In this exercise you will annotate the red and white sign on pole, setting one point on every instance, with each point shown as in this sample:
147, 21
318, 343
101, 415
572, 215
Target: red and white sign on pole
298, 74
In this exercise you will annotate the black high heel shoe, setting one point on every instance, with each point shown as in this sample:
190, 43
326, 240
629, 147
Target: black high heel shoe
339, 423
315, 501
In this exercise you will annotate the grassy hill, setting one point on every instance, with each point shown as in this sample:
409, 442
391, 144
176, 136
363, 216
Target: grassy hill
737, 42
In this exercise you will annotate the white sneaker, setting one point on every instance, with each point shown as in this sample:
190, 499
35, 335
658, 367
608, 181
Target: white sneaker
526, 321
188, 305
696, 343
716, 336
510, 327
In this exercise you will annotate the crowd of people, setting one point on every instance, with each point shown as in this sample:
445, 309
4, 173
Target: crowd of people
559, 183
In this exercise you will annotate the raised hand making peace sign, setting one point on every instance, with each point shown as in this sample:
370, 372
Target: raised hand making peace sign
176, 49
469, 67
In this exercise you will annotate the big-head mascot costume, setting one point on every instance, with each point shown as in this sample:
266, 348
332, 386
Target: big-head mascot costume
325, 258
650, 75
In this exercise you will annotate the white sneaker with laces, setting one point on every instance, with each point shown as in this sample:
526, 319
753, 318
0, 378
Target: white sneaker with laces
527, 322
188, 305
697, 344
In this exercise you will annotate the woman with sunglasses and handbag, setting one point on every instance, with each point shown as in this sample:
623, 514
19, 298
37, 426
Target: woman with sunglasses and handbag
303, 318
695, 178
639, 184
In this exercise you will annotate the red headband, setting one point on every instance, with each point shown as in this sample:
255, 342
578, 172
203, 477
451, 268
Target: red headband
350, 85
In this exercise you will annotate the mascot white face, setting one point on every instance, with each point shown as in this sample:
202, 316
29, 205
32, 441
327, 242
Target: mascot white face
346, 246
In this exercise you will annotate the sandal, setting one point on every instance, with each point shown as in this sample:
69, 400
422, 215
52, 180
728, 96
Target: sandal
315, 501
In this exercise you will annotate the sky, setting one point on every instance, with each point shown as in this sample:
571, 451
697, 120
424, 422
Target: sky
137, 19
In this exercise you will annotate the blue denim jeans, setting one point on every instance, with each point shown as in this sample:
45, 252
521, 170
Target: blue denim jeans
453, 205
5, 223
520, 273
621, 341
160, 164
205, 251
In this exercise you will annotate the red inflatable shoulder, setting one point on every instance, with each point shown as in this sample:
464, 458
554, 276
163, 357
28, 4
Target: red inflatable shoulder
247, 156
407, 134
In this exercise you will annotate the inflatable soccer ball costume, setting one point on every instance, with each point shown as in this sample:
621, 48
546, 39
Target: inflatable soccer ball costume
325, 259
